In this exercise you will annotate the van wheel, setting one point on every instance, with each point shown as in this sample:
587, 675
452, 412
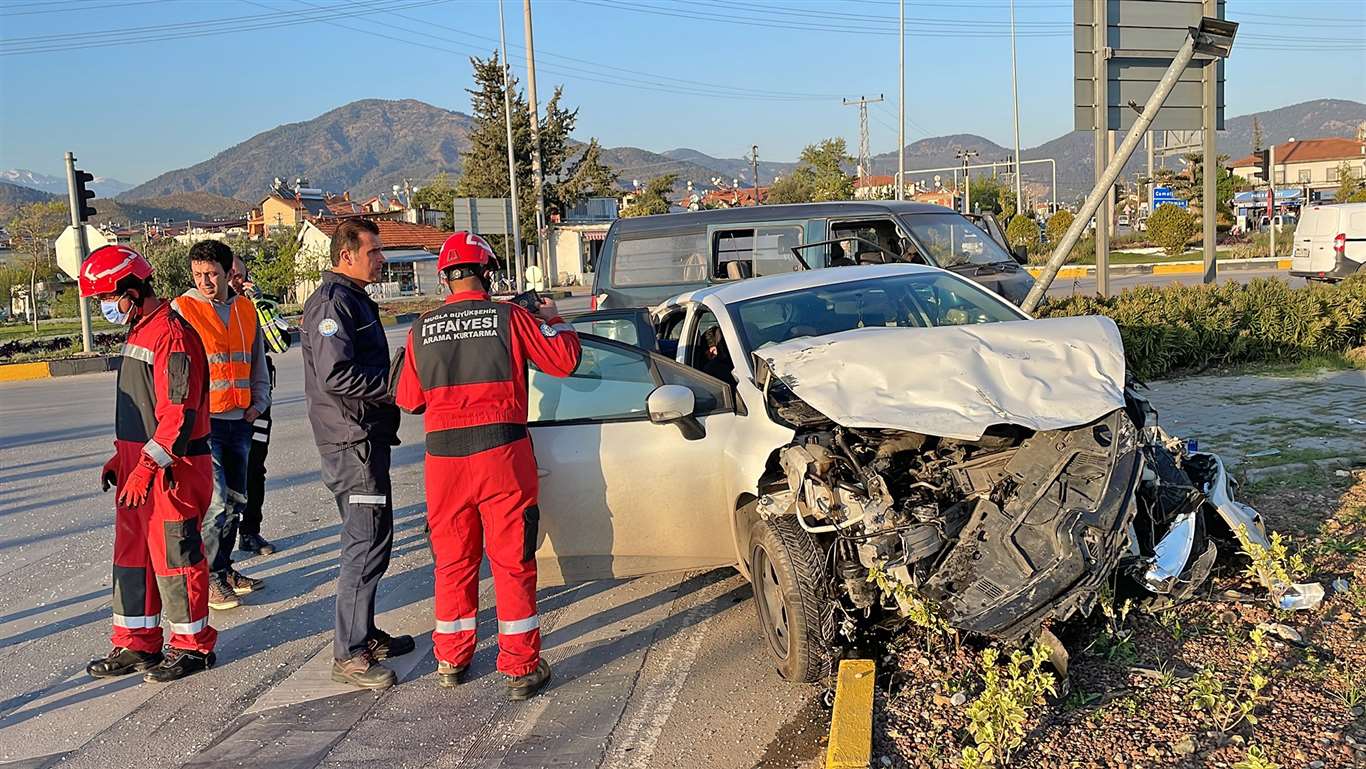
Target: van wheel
788, 576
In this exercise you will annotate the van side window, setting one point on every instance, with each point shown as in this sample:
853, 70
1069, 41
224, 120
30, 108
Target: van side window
661, 261
755, 251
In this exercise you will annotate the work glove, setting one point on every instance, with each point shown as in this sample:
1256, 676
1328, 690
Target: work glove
138, 483
109, 476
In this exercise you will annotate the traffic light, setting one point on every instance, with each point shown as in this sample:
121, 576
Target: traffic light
1264, 163
84, 212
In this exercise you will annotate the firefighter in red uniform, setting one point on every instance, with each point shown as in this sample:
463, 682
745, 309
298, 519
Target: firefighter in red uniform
164, 475
465, 368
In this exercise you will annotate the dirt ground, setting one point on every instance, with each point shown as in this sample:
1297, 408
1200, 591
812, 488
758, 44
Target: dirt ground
1130, 699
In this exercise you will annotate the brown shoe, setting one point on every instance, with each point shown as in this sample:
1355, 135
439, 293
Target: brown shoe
241, 584
448, 675
522, 687
362, 670
221, 594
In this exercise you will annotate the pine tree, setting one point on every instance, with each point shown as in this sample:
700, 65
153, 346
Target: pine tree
571, 171
1256, 135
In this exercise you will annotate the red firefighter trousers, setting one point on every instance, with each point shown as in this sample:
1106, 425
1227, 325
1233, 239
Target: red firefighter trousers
159, 565
485, 502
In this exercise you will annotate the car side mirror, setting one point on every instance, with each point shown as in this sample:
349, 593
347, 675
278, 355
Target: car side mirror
674, 404
1021, 253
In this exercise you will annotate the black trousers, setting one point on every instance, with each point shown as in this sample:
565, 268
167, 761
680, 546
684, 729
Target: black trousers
256, 476
358, 476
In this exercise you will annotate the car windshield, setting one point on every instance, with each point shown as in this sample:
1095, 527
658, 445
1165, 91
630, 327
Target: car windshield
949, 240
917, 300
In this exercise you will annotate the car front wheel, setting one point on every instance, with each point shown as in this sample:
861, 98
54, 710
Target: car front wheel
788, 576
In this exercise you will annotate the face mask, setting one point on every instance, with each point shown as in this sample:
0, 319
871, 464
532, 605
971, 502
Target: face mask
112, 313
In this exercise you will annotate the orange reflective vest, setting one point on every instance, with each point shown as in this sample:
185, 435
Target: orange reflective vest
228, 349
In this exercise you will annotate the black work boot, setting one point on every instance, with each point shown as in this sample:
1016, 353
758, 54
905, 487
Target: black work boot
121, 662
255, 543
449, 675
178, 663
362, 670
522, 687
384, 646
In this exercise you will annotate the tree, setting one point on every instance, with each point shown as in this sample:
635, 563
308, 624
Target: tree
1022, 231
1171, 228
1256, 135
274, 263
33, 230
653, 198
170, 266
437, 195
991, 195
571, 171
820, 177
1057, 225
1351, 189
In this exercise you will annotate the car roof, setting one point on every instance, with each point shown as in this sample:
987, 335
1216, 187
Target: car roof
769, 285
630, 226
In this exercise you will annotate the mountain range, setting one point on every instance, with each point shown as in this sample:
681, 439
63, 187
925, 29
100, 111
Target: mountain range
103, 186
367, 146
177, 207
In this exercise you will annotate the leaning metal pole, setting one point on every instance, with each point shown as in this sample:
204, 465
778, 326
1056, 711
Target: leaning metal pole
517, 267
1112, 171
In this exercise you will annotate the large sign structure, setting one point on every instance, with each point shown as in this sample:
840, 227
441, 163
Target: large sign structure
486, 216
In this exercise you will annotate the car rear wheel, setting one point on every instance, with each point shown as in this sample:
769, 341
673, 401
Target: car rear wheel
788, 576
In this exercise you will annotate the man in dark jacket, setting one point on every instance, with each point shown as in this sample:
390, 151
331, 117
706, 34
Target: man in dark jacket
355, 424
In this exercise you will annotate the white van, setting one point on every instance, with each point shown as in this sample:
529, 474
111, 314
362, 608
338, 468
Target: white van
1330, 242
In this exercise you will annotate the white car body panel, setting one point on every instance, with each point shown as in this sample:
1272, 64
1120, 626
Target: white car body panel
956, 381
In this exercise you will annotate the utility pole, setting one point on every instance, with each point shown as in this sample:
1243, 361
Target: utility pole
542, 253
1015, 91
517, 266
76, 203
1151, 182
862, 104
1101, 82
754, 169
1210, 197
966, 156
1270, 195
901, 103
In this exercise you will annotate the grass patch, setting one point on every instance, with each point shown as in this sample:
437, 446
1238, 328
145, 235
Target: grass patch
1310, 479
50, 328
1293, 457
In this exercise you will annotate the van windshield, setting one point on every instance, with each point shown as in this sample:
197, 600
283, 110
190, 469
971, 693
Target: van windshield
949, 240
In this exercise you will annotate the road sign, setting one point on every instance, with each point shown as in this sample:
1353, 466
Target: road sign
68, 249
1140, 39
1164, 196
485, 216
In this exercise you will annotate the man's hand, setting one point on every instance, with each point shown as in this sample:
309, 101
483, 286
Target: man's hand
251, 414
138, 483
109, 477
547, 311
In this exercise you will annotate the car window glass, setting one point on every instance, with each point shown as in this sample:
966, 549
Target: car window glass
908, 301
752, 252
697, 355
708, 393
950, 240
610, 383
857, 240
622, 330
661, 261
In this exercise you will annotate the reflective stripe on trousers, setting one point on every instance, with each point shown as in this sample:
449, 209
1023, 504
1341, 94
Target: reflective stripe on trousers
462, 625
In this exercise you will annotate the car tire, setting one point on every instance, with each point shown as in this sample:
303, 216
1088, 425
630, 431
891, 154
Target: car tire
787, 574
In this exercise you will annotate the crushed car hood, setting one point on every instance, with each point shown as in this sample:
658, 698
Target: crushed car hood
957, 381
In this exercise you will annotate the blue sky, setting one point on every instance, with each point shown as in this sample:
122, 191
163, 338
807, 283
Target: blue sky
714, 75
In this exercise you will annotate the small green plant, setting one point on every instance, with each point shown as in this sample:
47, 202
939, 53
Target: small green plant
1229, 705
920, 611
1273, 566
1256, 758
1171, 622
1079, 699
997, 717
1350, 688
1356, 594
1116, 642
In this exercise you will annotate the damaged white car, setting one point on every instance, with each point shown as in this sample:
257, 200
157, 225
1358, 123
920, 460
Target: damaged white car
894, 418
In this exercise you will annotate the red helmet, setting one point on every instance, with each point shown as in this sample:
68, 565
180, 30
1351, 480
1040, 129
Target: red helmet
465, 249
108, 266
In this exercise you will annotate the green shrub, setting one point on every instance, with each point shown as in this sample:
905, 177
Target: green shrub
1058, 224
1176, 328
1022, 231
1171, 228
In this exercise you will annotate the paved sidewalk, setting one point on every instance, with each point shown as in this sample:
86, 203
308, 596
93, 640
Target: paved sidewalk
1247, 418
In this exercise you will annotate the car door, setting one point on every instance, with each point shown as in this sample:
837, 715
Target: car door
630, 325
620, 495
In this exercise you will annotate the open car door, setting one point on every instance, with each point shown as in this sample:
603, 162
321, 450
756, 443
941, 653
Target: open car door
628, 449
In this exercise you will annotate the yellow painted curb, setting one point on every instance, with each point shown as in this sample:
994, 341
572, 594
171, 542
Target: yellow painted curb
1177, 269
1066, 272
1284, 264
19, 372
851, 722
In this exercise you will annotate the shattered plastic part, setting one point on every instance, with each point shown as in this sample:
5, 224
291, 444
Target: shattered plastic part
1241, 519
1301, 596
1171, 554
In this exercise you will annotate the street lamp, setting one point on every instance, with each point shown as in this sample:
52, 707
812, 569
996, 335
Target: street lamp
966, 156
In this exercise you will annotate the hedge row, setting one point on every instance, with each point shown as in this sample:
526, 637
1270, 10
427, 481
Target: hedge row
1177, 328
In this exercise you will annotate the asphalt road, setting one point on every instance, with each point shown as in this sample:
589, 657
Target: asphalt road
1064, 287
663, 671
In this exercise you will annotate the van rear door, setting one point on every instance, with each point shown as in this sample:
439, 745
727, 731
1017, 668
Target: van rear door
1325, 226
